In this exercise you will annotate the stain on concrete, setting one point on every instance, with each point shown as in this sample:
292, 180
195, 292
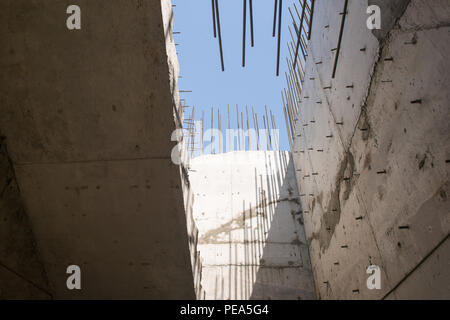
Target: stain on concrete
364, 125
344, 183
213, 236
391, 12
422, 162
443, 194
368, 161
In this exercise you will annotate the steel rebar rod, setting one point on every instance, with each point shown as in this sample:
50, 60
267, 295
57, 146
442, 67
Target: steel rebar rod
243, 133
212, 128
280, 14
311, 19
287, 127
219, 121
244, 30
239, 134
299, 33
248, 130
268, 127
341, 32
220, 35
251, 22
203, 128
214, 18
275, 18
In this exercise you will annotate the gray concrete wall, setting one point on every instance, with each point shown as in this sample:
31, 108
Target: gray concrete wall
251, 236
88, 116
372, 153
21, 272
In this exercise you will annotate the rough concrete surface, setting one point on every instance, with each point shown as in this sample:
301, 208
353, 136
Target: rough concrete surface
379, 190
88, 115
87, 176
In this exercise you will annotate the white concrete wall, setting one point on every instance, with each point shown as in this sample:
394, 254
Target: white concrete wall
251, 235
372, 167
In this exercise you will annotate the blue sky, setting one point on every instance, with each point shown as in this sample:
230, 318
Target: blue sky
198, 53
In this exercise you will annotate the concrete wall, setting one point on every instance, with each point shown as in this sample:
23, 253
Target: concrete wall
251, 236
21, 272
193, 235
372, 153
88, 116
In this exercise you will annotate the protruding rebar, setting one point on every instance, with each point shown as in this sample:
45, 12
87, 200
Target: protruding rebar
275, 18
251, 23
214, 17
220, 35
244, 30
299, 33
280, 12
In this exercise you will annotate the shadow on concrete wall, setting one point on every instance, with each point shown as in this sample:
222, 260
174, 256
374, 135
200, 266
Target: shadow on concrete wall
279, 253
